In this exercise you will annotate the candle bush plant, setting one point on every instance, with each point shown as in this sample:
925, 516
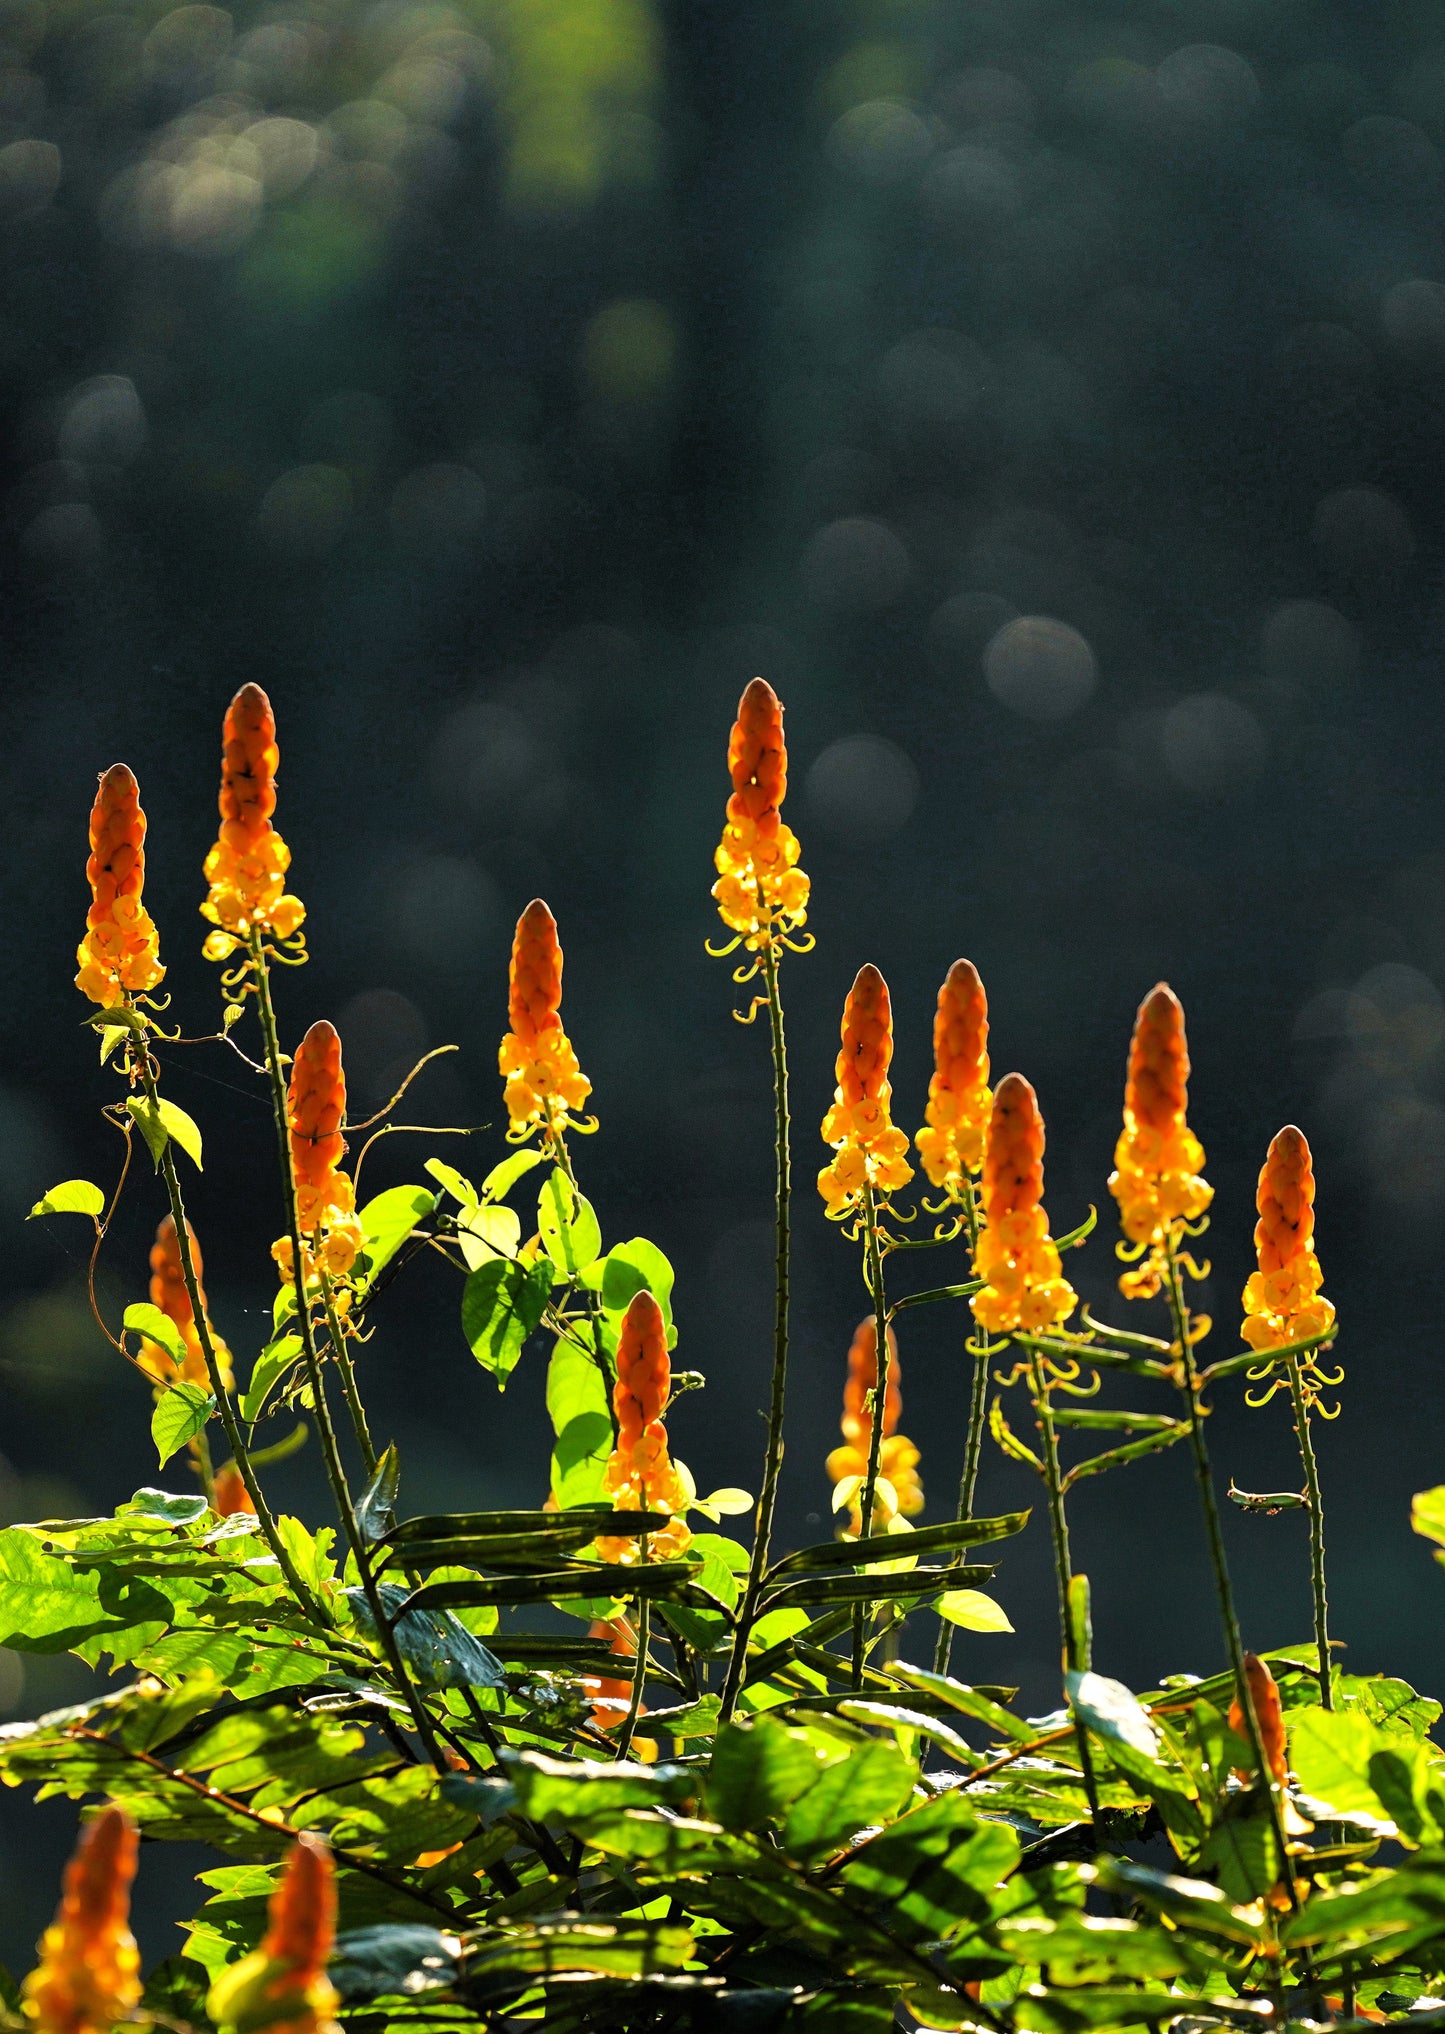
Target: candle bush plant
717, 1792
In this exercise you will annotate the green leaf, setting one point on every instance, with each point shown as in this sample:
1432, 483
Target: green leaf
634, 1267
1243, 1852
391, 1961
376, 1507
972, 1610
386, 1223
270, 1367
485, 1233
569, 1229
577, 1407
71, 1197
870, 1785
1362, 1772
162, 1121
503, 1177
1111, 1711
573, 1790
438, 1648
1078, 2012
967, 1701
1191, 1903
1080, 1623
969, 1532
873, 1587
1427, 1509
459, 1188
179, 1417
144, 1319
502, 1302
758, 1770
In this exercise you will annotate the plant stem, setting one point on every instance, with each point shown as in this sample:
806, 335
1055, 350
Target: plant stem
968, 1485
1317, 1528
310, 1604
874, 1268
768, 1501
634, 1706
1224, 1588
1063, 1566
347, 1374
335, 1471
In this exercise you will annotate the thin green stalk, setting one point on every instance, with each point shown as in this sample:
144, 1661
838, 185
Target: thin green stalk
874, 1263
639, 1675
592, 1300
335, 1470
1063, 1566
1224, 1588
347, 1374
312, 1606
968, 1484
1317, 1528
773, 1464
204, 1467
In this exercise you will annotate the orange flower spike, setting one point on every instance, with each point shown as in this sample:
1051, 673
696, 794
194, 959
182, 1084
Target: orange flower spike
325, 1197
246, 869
169, 1294
959, 1099
897, 1457
1018, 1260
88, 1976
231, 1496
641, 1474
544, 1081
859, 1126
1282, 1300
282, 1987
120, 953
1264, 1696
1158, 1159
611, 1697
761, 893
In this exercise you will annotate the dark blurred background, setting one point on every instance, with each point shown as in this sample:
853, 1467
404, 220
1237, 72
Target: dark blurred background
1049, 398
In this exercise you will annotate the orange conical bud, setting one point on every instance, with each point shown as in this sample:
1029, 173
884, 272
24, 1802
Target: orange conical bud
900, 1489
246, 869
282, 1987
169, 1294
859, 1126
544, 1081
1282, 1300
1157, 1160
1264, 1698
88, 1976
231, 1495
1024, 1286
761, 892
120, 953
641, 1474
959, 1100
325, 1197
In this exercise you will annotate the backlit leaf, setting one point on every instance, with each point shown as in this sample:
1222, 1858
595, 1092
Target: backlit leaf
71, 1197
179, 1417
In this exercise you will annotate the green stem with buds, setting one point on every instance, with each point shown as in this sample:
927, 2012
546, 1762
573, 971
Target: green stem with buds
1063, 1565
1317, 1528
874, 1269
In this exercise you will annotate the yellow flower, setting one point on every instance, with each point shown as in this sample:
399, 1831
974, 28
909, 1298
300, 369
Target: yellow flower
1282, 1300
761, 892
1158, 1159
898, 1488
325, 1198
870, 1152
1018, 1260
88, 1976
959, 1099
168, 1292
120, 953
282, 1987
246, 869
641, 1474
544, 1081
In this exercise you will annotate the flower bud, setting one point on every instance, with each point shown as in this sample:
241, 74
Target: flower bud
88, 1977
120, 953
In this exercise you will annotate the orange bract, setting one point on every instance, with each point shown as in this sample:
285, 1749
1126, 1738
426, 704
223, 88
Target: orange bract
325, 1197
899, 1489
1157, 1159
246, 869
1018, 1260
1264, 1695
641, 1474
283, 1985
611, 1696
88, 1976
870, 1152
120, 953
1282, 1300
168, 1292
544, 1081
761, 892
959, 1100
231, 1496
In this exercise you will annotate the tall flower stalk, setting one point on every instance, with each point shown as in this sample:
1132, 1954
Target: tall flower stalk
762, 899
88, 1977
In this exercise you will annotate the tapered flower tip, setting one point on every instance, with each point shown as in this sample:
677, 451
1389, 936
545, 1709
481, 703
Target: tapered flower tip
1290, 1147
963, 981
869, 988
251, 704
759, 703
1161, 1009
1014, 1098
537, 921
303, 1908
99, 1876
643, 1321
118, 786
322, 1041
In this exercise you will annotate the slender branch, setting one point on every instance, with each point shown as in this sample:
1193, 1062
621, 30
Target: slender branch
1317, 1528
773, 1463
968, 1483
874, 1267
1063, 1566
347, 1373
335, 1471
311, 1604
639, 1676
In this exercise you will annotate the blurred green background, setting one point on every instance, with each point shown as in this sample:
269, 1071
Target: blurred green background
1048, 397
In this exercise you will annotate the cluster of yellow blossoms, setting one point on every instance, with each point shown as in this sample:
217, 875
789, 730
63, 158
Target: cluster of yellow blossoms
246, 869
641, 1474
169, 1294
859, 1126
88, 1976
1018, 1261
282, 1987
898, 1489
120, 954
1157, 1161
761, 893
325, 1197
544, 1082
1283, 1302
959, 1098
